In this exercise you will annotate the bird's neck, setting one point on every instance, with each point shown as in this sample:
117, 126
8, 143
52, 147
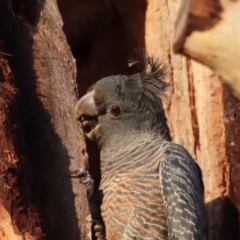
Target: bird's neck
119, 136
119, 147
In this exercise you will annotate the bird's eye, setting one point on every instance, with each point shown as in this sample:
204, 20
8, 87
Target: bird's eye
116, 110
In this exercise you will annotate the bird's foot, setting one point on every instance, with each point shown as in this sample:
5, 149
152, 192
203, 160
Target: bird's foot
98, 230
84, 178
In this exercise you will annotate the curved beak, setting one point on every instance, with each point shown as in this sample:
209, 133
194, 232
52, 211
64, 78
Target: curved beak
86, 106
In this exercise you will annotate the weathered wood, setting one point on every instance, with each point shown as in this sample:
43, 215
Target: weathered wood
44, 76
209, 32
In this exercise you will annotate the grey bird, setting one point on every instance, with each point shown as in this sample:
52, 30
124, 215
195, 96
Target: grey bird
151, 188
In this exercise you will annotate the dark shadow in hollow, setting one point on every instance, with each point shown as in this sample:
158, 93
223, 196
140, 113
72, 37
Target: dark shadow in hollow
46, 156
225, 213
29, 10
230, 224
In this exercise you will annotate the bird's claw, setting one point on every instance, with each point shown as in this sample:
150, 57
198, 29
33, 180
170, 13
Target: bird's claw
84, 178
98, 230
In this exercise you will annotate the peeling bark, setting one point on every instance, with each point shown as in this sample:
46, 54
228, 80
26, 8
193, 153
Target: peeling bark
192, 101
208, 31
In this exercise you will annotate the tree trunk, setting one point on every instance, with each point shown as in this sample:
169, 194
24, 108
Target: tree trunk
45, 141
202, 114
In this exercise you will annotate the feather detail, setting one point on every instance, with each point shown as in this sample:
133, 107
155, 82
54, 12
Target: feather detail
152, 76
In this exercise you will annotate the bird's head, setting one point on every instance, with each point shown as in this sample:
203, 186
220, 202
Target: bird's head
121, 104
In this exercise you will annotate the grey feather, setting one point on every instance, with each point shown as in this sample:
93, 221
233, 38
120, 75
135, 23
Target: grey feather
182, 189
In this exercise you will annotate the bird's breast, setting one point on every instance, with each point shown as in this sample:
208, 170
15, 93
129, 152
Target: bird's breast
132, 206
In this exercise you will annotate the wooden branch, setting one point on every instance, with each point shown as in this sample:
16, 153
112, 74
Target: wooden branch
209, 32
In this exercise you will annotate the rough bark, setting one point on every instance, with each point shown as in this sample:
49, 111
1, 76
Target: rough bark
209, 32
232, 123
14, 185
52, 141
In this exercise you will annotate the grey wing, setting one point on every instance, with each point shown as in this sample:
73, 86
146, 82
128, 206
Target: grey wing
182, 190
